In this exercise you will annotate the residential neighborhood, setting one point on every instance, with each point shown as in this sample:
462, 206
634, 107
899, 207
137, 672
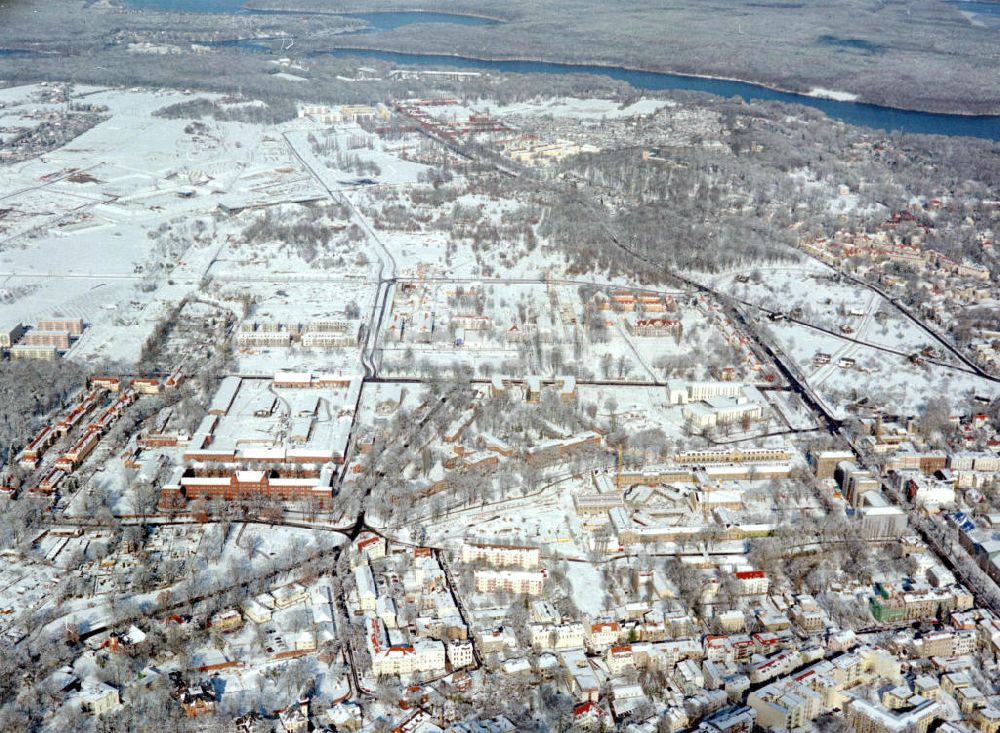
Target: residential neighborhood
450, 405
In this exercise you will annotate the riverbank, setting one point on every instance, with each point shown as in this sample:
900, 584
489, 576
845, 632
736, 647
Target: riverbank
836, 104
926, 58
259, 6
822, 93
516, 35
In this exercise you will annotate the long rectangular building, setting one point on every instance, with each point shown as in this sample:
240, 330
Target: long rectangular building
732, 455
21, 352
73, 325
59, 339
502, 555
187, 485
509, 581
224, 396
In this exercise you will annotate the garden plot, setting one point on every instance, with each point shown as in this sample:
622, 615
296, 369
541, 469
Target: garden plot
814, 294
26, 585
888, 379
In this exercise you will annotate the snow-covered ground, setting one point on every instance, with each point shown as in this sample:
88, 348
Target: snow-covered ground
832, 94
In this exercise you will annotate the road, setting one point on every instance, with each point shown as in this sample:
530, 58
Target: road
385, 276
960, 563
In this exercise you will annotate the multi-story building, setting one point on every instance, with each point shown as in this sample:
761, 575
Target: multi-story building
78, 452
20, 352
879, 519
37, 446
752, 582
190, 484
365, 583
725, 410
680, 392
709, 456
369, 545
501, 555
602, 635
460, 654
655, 327
868, 717
974, 461
509, 581
393, 659
737, 719
928, 603
556, 636
146, 385
785, 705
227, 620
328, 339
251, 338
887, 610
824, 463
73, 325
422, 655
98, 698
9, 334
926, 462
937, 644
620, 658
58, 339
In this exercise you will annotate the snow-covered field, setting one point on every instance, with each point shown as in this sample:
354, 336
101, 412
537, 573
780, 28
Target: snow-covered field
121, 224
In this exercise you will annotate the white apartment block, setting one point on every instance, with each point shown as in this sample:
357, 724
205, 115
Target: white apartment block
327, 340
98, 698
722, 411
263, 338
680, 392
365, 581
785, 705
525, 582
423, 655
415, 657
752, 582
460, 654
974, 461
620, 658
320, 113
501, 556
866, 717
710, 456
554, 637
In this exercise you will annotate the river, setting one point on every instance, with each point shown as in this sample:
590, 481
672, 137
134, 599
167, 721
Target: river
855, 113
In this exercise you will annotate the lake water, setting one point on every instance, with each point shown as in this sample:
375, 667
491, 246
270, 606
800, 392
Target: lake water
867, 115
